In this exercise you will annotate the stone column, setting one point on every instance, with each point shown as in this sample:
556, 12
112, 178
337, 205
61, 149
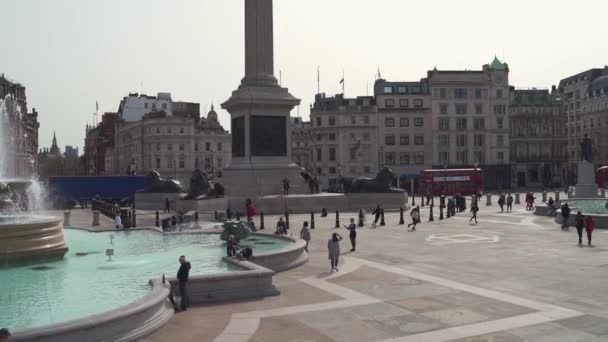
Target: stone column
259, 46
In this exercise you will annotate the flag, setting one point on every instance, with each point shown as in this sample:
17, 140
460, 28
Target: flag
355, 149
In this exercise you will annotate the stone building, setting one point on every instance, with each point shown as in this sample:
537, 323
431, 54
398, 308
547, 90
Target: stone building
52, 163
405, 128
584, 98
344, 138
174, 145
22, 126
99, 146
301, 143
538, 139
471, 120
134, 106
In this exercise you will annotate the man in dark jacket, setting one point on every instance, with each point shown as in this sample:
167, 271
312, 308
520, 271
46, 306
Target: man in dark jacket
182, 279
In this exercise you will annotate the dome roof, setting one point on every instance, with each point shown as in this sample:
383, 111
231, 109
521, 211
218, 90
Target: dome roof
598, 84
212, 115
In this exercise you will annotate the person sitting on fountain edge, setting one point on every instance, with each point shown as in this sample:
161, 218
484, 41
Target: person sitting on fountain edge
231, 246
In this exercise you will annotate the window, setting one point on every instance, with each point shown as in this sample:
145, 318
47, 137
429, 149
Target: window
500, 140
478, 155
319, 137
419, 122
404, 103
164, 106
153, 106
169, 130
477, 93
404, 158
418, 103
461, 108
318, 121
419, 140
146, 105
444, 157
443, 108
478, 140
442, 93
461, 140
461, 124
181, 130
443, 140
366, 119
479, 123
388, 90
499, 93
196, 163
182, 163
366, 169
460, 93
444, 124
390, 158
353, 120
404, 140
332, 154
402, 90
366, 136
169, 163
389, 140
499, 109
478, 108
158, 163
196, 146
157, 130
499, 122
404, 122
181, 147
319, 171
219, 146
158, 146
389, 103
500, 156
332, 170
332, 121
319, 154
419, 158
332, 136
389, 122
461, 157
207, 146
169, 147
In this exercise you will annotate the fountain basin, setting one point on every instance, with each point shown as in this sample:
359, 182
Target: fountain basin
30, 238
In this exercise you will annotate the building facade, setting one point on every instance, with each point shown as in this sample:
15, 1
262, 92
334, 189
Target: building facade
470, 110
584, 99
538, 139
135, 106
301, 143
21, 126
99, 146
405, 128
174, 145
344, 138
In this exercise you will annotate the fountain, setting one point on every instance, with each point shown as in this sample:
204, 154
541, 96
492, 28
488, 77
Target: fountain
24, 237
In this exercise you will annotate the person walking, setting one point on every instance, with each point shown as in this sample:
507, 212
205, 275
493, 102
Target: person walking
580, 225
305, 234
352, 227
415, 214
333, 248
182, 279
565, 216
510, 203
377, 212
474, 210
590, 227
501, 202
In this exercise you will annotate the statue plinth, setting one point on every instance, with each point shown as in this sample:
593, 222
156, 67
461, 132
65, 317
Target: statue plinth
585, 185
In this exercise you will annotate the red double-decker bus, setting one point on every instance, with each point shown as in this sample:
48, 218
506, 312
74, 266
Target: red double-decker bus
452, 181
601, 177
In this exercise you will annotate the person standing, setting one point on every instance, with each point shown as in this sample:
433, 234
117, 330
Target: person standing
305, 234
118, 221
565, 216
501, 202
474, 210
352, 227
509, 203
182, 279
167, 205
580, 225
377, 212
590, 227
286, 187
415, 214
333, 248
249, 209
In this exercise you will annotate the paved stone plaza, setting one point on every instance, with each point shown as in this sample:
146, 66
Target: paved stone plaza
512, 277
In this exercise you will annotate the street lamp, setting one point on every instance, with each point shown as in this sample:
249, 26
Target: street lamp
476, 165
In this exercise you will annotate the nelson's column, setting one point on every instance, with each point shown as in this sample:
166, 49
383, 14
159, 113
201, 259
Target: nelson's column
259, 109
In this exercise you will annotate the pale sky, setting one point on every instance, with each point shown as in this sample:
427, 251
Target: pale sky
70, 53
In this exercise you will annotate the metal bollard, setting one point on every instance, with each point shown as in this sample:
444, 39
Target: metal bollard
544, 196
488, 200
262, 220
517, 199
422, 200
401, 220
360, 217
95, 218
337, 219
413, 200
157, 219
312, 220
431, 218
287, 219
66, 218
134, 220
557, 196
382, 222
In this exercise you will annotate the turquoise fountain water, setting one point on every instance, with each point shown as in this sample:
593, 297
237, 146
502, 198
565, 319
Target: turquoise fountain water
85, 283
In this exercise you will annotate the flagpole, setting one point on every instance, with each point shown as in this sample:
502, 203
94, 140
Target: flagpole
318, 79
343, 84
